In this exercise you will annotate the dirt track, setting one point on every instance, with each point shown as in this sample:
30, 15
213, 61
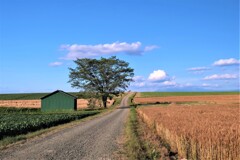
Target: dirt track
95, 139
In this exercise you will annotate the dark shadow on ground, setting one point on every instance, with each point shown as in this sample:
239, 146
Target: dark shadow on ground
151, 104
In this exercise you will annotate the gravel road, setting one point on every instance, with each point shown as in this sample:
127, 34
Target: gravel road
92, 140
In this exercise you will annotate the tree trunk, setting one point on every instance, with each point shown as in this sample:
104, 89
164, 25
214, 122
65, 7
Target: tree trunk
104, 99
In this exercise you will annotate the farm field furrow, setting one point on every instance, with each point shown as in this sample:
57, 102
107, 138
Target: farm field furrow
165, 94
213, 99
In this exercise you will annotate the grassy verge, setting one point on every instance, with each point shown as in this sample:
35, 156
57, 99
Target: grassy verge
117, 101
130, 99
137, 146
133, 144
164, 94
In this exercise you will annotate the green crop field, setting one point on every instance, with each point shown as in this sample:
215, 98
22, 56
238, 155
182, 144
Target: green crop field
15, 121
164, 94
26, 96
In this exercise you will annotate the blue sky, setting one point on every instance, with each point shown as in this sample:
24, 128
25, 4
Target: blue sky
172, 45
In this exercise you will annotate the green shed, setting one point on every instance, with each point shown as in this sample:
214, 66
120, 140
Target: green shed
58, 100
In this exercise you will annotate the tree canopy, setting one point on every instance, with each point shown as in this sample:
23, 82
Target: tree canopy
105, 77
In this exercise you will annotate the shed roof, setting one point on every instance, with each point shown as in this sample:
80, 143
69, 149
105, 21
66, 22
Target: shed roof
57, 92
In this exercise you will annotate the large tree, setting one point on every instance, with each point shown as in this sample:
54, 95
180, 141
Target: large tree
105, 77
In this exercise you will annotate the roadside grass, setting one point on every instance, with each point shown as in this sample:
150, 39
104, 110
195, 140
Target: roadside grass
136, 146
165, 94
130, 99
117, 101
133, 145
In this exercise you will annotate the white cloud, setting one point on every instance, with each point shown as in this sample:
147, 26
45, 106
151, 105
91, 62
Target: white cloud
158, 75
206, 85
138, 79
198, 69
149, 48
55, 64
221, 77
92, 51
226, 62
150, 84
156, 79
169, 83
182, 85
209, 85
139, 84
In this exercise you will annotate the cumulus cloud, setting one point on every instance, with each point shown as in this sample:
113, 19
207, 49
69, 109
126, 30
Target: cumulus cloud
55, 64
91, 51
158, 75
149, 48
139, 84
194, 69
169, 83
157, 79
209, 85
221, 77
149, 84
138, 79
226, 62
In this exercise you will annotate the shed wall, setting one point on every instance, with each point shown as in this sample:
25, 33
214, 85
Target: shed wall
58, 101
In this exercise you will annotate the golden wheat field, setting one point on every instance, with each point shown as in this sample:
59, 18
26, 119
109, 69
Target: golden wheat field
212, 99
205, 132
